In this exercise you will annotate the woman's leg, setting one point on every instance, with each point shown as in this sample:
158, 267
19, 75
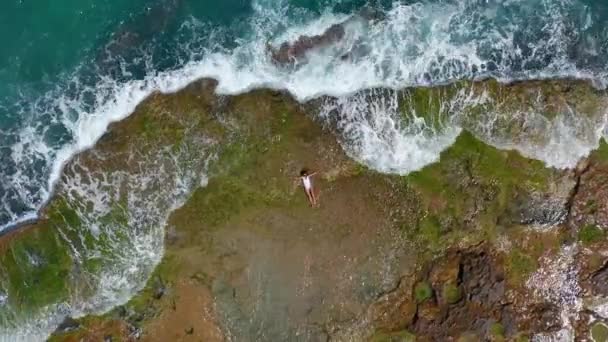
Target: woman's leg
310, 198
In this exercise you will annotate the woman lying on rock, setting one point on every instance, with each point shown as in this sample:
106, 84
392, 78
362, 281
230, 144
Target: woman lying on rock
306, 178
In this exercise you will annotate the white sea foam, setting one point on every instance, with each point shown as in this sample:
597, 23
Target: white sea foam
123, 217
565, 140
556, 281
598, 306
559, 141
414, 44
375, 133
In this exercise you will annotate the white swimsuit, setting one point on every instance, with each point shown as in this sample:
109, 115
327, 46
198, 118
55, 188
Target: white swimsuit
306, 182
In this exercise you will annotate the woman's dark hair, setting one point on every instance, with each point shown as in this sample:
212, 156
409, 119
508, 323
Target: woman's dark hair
304, 172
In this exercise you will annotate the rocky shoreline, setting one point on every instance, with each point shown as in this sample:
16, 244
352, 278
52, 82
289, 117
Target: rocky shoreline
484, 244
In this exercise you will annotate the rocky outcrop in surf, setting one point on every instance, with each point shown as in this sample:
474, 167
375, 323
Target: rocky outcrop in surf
292, 53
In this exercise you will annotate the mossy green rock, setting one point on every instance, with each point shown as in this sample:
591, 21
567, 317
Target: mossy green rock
497, 330
599, 332
37, 269
451, 293
520, 265
468, 337
423, 291
590, 234
400, 336
471, 104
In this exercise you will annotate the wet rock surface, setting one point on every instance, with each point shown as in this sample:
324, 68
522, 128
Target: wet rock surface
481, 280
548, 208
289, 53
599, 281
292, 53
484, 305
589, 206
68, 325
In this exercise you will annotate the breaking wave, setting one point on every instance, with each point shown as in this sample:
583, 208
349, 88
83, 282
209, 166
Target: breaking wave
398, 45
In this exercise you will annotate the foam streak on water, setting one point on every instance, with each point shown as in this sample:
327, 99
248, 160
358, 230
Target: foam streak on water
425, 43
120, 235
375, 132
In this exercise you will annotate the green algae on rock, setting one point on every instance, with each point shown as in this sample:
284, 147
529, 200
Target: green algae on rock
599, 332
35, 269
590, 234
423, 291
497, 331
102, 233
402, 336
451, 293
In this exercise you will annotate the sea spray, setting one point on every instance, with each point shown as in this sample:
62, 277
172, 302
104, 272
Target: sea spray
400, 131
111, 223
377, 131
405, 45
556, 281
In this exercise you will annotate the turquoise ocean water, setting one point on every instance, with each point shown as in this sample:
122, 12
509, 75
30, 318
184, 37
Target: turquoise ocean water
69, 68
56, 54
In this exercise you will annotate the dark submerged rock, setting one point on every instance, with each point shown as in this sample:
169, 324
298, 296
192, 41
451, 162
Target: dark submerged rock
68, 324
291, 52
